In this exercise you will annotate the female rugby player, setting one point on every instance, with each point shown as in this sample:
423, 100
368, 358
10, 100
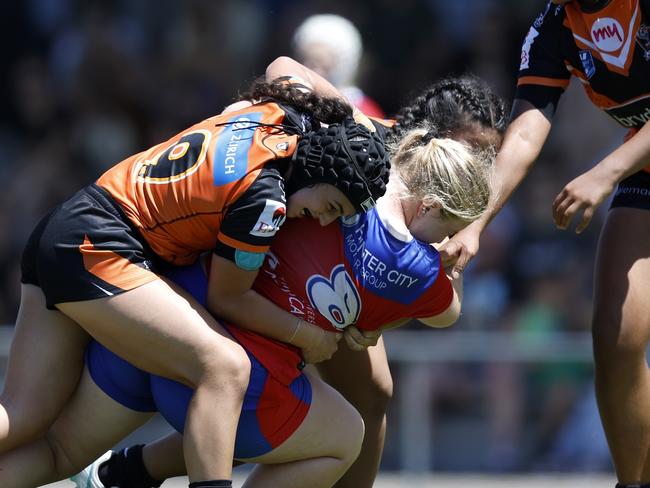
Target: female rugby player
605, 44
366, 270
91, 267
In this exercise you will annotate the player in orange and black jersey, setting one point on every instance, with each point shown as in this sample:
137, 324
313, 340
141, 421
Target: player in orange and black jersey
217, 186
606, 45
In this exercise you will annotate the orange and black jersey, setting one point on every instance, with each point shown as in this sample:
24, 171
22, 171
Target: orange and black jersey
607, 50
216, 185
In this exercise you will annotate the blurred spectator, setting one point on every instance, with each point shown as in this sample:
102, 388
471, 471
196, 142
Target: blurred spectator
331, 45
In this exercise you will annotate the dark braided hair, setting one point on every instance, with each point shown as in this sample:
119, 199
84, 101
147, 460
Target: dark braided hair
324, 109
453, 106
343, 153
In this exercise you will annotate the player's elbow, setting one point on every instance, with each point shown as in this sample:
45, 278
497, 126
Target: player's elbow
444, 319
280, 66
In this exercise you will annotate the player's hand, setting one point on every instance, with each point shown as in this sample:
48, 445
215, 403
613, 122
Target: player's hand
360, 340
458, 251
322, 347
583, 194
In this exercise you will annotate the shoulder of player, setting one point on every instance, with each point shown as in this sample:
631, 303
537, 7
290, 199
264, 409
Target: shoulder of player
264, 112
383, 126
414, 257
548, 23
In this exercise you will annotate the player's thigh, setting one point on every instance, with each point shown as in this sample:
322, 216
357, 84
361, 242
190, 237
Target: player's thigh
46, 358
162, 330
90, 424
332, 427
362, 377
622, 280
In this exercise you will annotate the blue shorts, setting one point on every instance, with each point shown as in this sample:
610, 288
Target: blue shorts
271, 412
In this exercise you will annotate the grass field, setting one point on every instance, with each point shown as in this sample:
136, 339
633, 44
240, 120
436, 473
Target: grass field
452, 481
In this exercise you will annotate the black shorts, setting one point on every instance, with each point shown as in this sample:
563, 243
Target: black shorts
633, 191
87, 248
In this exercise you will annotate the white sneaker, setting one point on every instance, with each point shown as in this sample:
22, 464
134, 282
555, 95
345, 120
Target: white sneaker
89, 477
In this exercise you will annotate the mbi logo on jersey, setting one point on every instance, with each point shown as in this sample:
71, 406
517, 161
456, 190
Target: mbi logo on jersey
336, 298
607, 34
232, 147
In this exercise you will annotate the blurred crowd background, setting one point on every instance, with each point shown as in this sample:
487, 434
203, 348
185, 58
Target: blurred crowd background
86, 83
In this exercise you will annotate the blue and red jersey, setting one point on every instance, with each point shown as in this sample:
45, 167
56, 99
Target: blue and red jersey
354, 271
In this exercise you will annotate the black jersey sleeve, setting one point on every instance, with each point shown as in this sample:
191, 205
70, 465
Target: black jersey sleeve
543, 74
251, 222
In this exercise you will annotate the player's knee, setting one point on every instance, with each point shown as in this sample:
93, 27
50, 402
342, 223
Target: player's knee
374, 397
228, 367
62, 461
618, 341
354, 432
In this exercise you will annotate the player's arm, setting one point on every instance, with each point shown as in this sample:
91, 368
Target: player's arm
521, 146
230, 296
297, 74
286, 67
360, 340
452, 312
629, 158
543, 77
588, 191
246, 233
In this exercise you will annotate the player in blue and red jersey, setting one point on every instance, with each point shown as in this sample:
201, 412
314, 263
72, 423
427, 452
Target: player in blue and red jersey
381, 270
606, 45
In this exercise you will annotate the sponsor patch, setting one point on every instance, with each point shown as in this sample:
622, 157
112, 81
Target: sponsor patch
270, 220
643, 40
350, 220
232, 147
336, 298
368, 203
632, 190
607, 34
525, 49
588, 66
540, 18
635, 113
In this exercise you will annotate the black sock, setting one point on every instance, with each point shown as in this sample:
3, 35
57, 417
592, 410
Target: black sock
212, 484
125, 469
619, 485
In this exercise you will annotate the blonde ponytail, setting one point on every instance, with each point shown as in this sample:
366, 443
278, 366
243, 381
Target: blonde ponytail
443, 171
